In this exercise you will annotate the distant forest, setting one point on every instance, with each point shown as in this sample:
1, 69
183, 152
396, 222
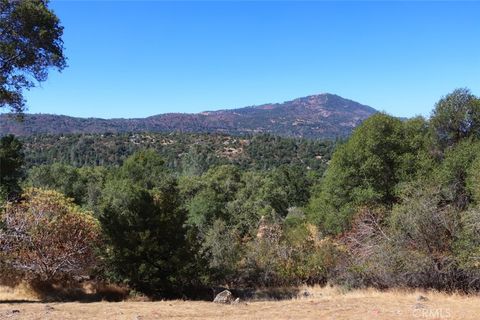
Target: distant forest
182, 152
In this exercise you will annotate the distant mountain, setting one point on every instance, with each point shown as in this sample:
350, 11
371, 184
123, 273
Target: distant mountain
317, 116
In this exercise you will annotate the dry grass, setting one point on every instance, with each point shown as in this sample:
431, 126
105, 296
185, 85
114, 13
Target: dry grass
20, 292
322, 303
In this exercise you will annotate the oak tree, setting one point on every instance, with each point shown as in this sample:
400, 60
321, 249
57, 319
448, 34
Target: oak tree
30, 44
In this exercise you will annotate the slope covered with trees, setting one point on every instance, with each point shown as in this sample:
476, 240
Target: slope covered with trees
397, 206
317, 116
184, 153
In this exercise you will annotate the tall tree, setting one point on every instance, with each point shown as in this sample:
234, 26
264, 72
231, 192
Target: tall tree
30, 44
143, 223
366, 170
11, 166
455, 117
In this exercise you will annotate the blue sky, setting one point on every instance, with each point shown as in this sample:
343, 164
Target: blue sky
135, 59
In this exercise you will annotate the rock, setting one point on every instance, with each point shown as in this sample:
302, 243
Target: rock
237, 301
15, 311
305, 294
422, 298
224, 297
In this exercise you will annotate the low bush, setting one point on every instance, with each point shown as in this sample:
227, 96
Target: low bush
46, 237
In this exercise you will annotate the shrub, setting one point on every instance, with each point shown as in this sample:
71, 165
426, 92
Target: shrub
47, 237
424, 242
284, 255
467, 247
145, 237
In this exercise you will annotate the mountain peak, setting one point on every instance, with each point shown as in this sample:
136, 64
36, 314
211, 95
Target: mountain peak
322, 115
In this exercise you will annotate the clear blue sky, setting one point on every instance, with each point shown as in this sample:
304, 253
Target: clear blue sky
135, 59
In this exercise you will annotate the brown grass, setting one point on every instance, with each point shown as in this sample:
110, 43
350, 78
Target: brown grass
322, 303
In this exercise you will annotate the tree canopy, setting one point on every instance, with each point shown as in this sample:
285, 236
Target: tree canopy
30, 44
456, 116
366, 169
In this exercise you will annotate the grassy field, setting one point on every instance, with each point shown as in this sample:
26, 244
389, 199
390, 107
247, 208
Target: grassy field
321, 303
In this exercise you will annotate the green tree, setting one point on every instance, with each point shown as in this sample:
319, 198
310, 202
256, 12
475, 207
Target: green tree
286, 186
83, 184
199, 158
11, 167
145, 168
221, 251
473, 180
218, 186
30, 44
455, 173
455, 117
365, 171
58, 176
143, 221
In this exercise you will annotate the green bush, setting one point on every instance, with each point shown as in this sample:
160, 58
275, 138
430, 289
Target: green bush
144, 229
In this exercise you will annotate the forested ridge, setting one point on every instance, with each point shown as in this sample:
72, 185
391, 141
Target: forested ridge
395, 205
321, 116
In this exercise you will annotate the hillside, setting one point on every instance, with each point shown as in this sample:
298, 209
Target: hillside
316, 116
181, 151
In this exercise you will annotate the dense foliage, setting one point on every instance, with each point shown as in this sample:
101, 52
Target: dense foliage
398, 204
143, 223
11, 171
367, 170
190, 154
402, 197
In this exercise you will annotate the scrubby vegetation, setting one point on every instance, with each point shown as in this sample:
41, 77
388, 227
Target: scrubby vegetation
396, 207
401, 197
186, 154
45, 237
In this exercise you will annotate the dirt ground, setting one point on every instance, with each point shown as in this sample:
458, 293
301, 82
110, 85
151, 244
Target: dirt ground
319, 303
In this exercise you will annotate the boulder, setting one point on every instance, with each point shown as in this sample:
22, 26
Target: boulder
224, 297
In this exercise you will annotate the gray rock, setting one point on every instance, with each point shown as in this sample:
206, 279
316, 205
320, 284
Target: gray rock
237, 301
224, 297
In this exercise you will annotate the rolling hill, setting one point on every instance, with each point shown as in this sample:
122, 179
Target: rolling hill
317, 116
